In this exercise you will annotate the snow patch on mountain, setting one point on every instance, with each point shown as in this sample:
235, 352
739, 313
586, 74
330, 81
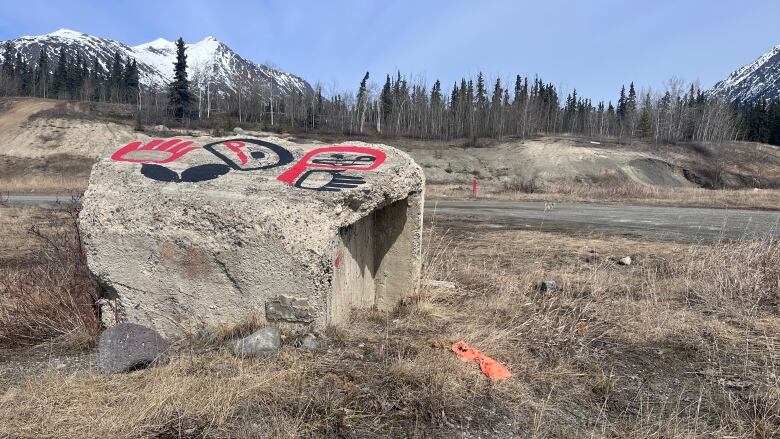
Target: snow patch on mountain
209, 62
757, 80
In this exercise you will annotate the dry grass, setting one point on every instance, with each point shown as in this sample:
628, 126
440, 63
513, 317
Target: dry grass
44, 184
682, 343
622, 193
47, 292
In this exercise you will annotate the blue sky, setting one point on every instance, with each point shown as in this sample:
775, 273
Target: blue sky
593, 45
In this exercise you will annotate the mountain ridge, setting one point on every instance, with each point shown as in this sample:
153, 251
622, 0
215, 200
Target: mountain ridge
754, 81
210, 63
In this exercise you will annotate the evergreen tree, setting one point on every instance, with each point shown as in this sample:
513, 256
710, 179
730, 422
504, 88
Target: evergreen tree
97, 80
7, 70
23, 74
60, 80
646, 118
631, 101
115, 78
180, 97
9, 59
386, 99
454, 97
621, 104
42, 73
130, 81
436, 98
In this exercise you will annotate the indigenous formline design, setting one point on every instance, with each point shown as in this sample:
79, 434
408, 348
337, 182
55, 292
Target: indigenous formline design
325, 169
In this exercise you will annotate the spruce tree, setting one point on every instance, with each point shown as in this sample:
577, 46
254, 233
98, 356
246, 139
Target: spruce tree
130, 81
97, 80
7, 70
23, 73
60, 81
387, 99
180, 97
9, 59
42, 73
115, 78
621, 104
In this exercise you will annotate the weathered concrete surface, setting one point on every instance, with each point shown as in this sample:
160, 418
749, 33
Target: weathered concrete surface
212, 233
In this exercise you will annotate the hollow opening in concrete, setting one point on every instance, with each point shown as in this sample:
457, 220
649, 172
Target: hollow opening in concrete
377, 261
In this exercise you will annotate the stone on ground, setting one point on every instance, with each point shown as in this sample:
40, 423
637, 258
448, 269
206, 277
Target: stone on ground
261, 343
625, 260
548, 285
310, 342
127, 346
202, 234
443, 284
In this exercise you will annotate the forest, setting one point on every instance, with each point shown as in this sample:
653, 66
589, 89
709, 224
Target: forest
403, 106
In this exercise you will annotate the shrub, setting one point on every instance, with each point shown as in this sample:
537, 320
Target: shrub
53, 295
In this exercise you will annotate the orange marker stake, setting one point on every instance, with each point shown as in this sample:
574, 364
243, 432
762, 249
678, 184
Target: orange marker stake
490, 367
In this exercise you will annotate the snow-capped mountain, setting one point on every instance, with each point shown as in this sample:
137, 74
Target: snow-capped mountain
208, 61
757, 80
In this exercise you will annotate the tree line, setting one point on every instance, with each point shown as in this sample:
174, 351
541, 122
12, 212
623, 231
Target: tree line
70, 78
472, 109
403, 106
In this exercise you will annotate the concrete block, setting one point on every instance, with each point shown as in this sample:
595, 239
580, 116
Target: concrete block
186, 234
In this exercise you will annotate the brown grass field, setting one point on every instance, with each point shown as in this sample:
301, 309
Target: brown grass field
685, 342
614, 193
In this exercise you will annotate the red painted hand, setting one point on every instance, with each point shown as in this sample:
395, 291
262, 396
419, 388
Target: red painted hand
156, 151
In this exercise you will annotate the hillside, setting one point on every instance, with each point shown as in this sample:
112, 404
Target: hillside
210, 62
48, 145
757, 80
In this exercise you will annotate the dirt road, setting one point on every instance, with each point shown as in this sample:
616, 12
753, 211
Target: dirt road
684, 224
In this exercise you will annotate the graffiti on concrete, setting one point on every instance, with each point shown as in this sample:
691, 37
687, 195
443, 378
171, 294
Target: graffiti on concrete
156, 151
250, 154
322, 169
325, 169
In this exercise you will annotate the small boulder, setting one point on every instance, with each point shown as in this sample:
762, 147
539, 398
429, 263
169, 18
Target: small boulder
310, 342
128, 346
262, 343
443, 284
238, 131
625, 260
548, 285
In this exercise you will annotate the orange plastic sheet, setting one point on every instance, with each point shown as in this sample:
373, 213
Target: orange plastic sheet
490, 367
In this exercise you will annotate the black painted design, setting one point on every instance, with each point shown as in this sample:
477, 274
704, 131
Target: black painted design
335, 181
283, 155
194, 174
346, 160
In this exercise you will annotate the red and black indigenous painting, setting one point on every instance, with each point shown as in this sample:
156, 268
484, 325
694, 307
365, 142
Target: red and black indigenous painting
328, 169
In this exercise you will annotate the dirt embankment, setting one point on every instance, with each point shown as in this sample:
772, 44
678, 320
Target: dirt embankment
548, 161
46, 146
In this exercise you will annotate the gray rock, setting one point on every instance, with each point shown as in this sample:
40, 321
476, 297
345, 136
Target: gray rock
548, 285
127, 346
262, 343
310, 342
205, 236
439, 284
625, 260
288, 309
238, 130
